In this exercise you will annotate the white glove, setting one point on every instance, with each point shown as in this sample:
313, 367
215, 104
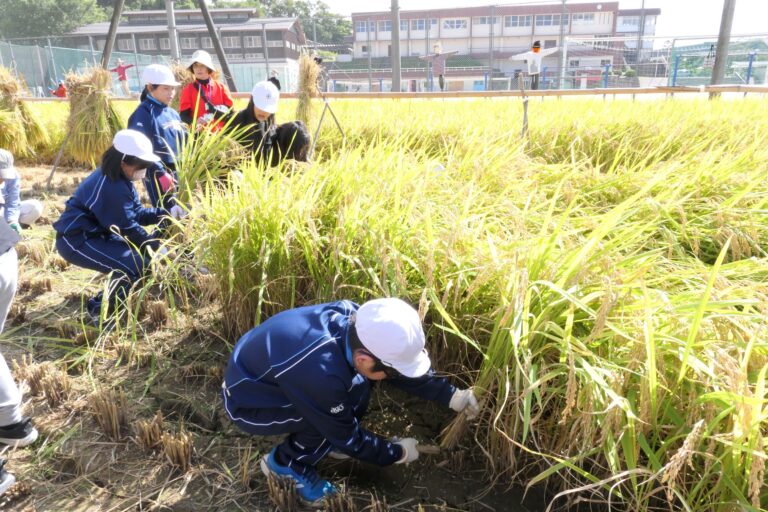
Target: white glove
177, 212
410, 453
463, 400
161, 251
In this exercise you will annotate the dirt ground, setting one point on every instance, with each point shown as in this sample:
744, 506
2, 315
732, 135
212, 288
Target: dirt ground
174, 365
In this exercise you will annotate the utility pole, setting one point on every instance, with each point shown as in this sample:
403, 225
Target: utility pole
490, 48
560, 43
640, 30
264, 43
173, 35
217, 45
723, 41
370, 67
395, 46
111, 35
314, 31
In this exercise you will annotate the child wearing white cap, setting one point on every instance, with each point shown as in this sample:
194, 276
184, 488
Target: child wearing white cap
306, 372
102, 225
206, 99
15, 211
268, 141
162, 126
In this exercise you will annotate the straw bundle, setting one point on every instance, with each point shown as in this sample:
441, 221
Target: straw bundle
184, 77
308, 73
93, 121
20, 132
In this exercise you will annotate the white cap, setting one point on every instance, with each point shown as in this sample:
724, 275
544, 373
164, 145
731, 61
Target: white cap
204, 58
391, 330
7, 170
157, 74
135, 143
265, 96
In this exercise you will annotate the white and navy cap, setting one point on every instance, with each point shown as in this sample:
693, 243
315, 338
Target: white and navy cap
390, 329
135, 143
265, 96
158, 74
7, 170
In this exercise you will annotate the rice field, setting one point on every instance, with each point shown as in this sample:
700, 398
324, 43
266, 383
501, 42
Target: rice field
602, 282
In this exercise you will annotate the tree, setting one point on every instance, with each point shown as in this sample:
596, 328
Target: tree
148, 5
36, 18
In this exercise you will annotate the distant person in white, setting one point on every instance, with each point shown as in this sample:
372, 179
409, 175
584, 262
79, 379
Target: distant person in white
533, 59
437, 60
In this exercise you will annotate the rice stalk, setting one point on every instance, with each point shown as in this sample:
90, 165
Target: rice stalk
20, 131
309, 72
177, 449
56, 387
149, 433
109, 409
282, 493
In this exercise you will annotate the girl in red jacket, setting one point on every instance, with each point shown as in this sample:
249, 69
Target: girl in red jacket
206, 99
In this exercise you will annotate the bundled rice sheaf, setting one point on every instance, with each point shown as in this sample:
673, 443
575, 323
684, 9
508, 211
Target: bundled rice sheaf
20, 132
93, 121
309, 71
184, 77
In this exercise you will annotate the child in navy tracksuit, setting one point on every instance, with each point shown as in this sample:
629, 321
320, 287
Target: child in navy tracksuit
305, 372
162, 125
101, 227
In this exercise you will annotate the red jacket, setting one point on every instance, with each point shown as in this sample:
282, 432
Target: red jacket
191, 104
120, 70
59, 92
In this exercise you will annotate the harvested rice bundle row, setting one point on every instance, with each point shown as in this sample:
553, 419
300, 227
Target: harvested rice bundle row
93, 121
21, 133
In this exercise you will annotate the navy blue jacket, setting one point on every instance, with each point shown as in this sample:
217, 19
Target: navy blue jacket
100, 207
300, 357
162, 125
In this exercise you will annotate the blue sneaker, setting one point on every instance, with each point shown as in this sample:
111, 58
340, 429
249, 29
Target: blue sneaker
311, 488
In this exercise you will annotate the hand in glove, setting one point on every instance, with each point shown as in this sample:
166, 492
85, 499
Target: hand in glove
410, 453
15, 226
463, 400
161, 252
177, 212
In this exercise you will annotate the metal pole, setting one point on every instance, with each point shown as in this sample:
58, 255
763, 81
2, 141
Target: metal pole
605, 76
217, 45
490, 48
561, 75
426, 54
111, 35
395, 46
93, 53
40, 65
370, 70
564, 57
640, 30
752, 56
314, 31
674, 70
173, 34
264, 43
723, 41
53, 61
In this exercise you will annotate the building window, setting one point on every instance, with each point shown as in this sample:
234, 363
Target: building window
418, 24
275, 44
518, 21
548, 20
360, 26
254, 56
364, 48
188, 43
147, 44
550, 43
403, 25
573, 63
165, 43
125, 45
206, 42
433, 23
631, 21
385, 26
231, 41
454, 24
484, 20
605, 62
252, 41
587, 18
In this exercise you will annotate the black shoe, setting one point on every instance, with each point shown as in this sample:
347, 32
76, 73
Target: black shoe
6, 479
19, 434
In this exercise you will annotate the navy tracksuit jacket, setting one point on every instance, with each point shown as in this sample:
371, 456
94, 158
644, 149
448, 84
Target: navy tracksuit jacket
293, 375
162, 125
101, 229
